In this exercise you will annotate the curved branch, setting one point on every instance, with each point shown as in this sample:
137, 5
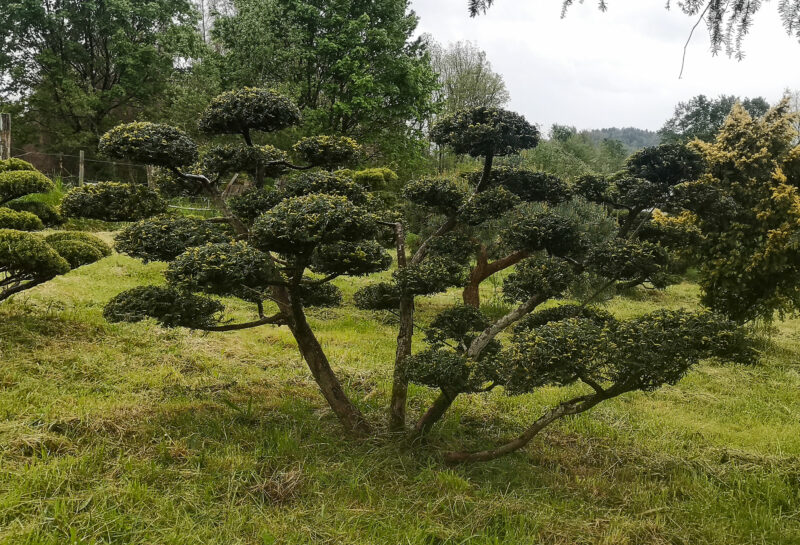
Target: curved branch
493, 330
276, 319
574, 406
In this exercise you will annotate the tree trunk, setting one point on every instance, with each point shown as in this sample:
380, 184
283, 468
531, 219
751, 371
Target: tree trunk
347, 413
472, 291
434, 413
483, 270
397, 406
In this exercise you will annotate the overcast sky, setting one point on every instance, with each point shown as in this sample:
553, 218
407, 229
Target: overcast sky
618, 68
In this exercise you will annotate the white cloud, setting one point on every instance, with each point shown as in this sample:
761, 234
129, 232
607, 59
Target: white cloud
618, 68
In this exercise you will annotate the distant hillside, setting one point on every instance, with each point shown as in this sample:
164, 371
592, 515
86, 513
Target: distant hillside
631, 137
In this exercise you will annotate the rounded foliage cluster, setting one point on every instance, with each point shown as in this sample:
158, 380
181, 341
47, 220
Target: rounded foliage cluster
112, 201
7, 165
21, 221
332, 183
28, 254
629, 260
485, 131
229, 268
298, 224
457, 247
170, 307
666, 164
380, 296
150, 144
531, 185
77, 247
243, 110
18, 183
163, 238
328, 151
376, 178
439, 368
543, 278
488, 205
557, 234
433, 275
255, 201
269, 161
560, 313
319, 295
639, 354
350, 258
443, 195
49, 215
592, 187
460, 323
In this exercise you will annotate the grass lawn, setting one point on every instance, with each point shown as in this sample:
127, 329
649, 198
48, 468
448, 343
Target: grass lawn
134, 434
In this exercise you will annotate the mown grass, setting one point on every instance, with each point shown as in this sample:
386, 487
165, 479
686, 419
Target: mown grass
133, 434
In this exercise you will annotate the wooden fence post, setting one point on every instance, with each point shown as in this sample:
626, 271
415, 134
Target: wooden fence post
5, 136
150, 181
80, 168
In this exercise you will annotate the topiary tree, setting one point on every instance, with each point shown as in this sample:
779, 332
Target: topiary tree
290, 240
18, 180
556, 248
283, 245
747, 211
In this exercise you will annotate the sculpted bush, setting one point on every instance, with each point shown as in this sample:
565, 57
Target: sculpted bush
18, 183
21, 221
49, 215
112, 201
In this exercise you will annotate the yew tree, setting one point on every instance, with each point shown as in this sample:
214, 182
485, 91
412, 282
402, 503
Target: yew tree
556, 251
283, 243
307, 224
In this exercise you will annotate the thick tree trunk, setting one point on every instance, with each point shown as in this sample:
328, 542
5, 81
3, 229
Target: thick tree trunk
483, 270
479, 273
347, 413
397, 406
434, 413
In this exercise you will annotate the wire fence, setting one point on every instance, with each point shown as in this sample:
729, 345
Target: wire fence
67, 168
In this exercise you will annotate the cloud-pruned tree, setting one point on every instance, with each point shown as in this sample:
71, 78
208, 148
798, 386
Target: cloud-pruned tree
286, 241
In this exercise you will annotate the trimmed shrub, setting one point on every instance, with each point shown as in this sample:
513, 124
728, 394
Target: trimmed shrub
112, 201
328, 151
77, 253
18, 183
15, 164
29, 255
163, 238
243, 110
21, 221
49, 215
79, 236
150, 144
170, 307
